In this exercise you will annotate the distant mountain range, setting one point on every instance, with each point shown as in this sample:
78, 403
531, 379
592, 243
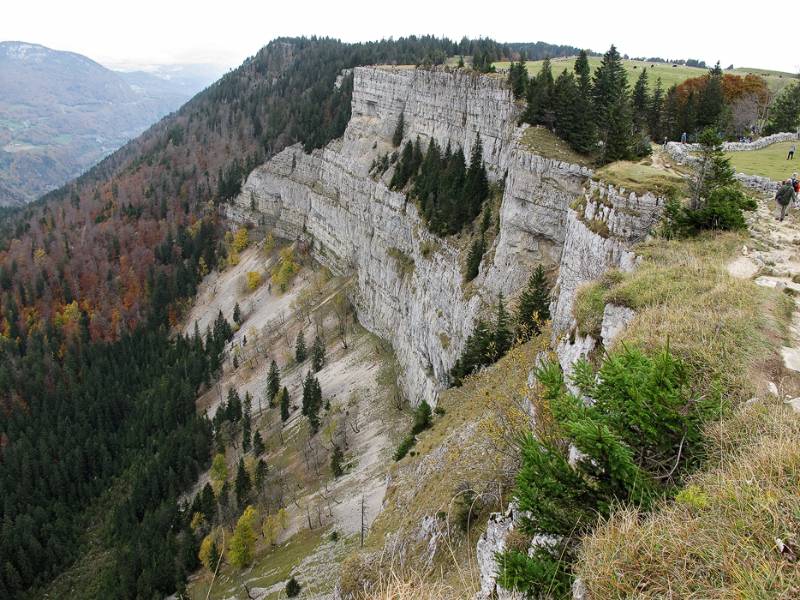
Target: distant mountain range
61, 112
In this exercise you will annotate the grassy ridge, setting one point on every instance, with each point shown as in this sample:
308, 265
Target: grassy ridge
670, 75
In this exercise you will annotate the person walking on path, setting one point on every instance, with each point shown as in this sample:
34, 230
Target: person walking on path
683, 137
791, 152
784, 197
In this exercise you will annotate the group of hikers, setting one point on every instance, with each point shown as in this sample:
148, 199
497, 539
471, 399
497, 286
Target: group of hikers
787, 194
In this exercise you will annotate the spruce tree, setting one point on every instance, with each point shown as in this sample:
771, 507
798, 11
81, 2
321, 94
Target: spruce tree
261, 474
641, 101
539, 97
612, 108
476, 184
583, 138
284, 402
534, 306
502, 336
233, 408
337, 458
292, 588
242, 486
654, 112
474, 258
712, 101
273, 382
567, 105
318, 354
300, 352
258, 444
399, 130
785, 111
237, 314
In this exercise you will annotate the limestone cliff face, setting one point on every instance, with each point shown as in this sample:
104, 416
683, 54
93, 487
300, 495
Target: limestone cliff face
358, 226
450, 107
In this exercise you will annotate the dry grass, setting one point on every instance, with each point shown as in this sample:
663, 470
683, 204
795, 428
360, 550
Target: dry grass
545, 143
719, 537
641, 177
725, 328
733, 532
472, 443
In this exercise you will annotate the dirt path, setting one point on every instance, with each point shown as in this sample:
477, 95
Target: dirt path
773, 259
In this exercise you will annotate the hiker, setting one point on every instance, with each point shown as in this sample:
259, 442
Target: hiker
683, 138
784, 197
791, 152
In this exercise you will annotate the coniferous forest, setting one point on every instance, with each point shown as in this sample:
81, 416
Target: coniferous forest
98, 431
601, 114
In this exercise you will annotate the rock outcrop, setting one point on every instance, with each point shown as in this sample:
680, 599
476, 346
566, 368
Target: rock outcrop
409, 288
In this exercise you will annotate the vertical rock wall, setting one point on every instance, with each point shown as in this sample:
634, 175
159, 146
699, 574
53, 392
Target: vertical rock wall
358, 226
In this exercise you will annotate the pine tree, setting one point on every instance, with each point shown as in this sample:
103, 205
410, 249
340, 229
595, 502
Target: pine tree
261, 474
247, 421
654, 112
234, 406
300, 351
502, 337
539, 96
284, 402
292, 588
237, 314
476, 183
785, 111
567, 105
583, 138
399, 130
337, 458
534, 306
612, 108
273, 382
641, 101
717, 199
422, 418
518, 78
242, 485
318, 354
712, 101
474, 258
258, 444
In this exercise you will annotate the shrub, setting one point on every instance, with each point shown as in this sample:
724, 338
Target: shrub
406, 445
422, 418
639, 435
292, 588
253, 280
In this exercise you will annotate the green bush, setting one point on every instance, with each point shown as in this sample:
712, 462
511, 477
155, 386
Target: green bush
636, 439
292, 588
406, 445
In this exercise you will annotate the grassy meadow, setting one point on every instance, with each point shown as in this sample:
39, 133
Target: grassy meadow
669, 74
768, 162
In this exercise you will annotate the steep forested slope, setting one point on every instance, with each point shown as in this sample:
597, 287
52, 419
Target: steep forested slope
92, 276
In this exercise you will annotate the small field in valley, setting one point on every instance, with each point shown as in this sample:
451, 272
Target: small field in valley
768, 162
669, 74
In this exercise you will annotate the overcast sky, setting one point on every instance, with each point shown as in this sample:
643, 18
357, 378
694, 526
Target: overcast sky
225, 32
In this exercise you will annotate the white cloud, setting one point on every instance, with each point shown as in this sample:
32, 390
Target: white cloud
226, 32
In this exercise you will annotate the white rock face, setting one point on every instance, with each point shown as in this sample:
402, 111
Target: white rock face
493, 540
450, 107
358, 226
615, 320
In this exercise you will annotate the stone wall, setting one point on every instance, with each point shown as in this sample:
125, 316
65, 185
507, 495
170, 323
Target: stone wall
682, 153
